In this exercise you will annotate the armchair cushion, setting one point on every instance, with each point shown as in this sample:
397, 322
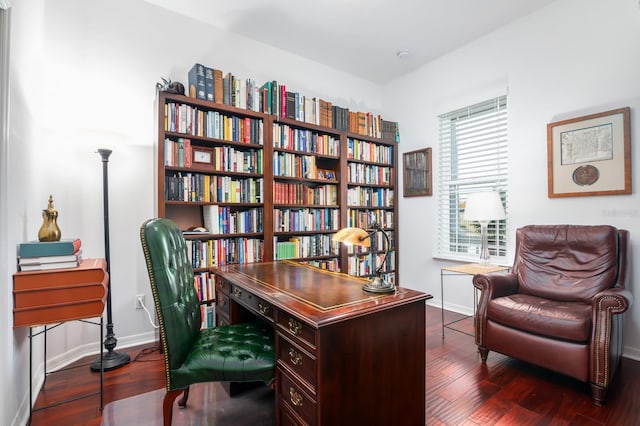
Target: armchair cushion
551, 318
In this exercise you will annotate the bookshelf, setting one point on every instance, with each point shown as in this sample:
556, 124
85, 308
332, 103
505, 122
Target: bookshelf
279, 186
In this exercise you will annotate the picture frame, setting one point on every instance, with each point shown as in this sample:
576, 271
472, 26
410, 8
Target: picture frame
590, 155
202, 156
417, 173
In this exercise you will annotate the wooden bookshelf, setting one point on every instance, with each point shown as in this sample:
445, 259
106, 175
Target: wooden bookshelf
303, 174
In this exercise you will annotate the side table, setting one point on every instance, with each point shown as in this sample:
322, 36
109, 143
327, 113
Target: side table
465, 269
52, 297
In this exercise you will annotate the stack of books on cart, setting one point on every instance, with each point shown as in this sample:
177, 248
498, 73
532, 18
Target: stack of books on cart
43, 255
60, 287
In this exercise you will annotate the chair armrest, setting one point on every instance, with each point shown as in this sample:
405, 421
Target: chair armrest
496, 285
490, 286
614, 300
607, 333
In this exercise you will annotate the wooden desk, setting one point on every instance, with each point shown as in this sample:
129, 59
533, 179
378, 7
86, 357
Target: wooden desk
344, 356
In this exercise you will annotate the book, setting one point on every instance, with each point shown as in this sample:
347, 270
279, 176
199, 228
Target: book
49, 248
89, 271
50, 265
208, 84
77, 256
196, 82
218, 91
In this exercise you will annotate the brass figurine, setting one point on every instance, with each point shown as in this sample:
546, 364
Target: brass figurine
49, 231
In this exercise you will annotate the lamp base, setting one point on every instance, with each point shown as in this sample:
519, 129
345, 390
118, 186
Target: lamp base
379, 285
110, 361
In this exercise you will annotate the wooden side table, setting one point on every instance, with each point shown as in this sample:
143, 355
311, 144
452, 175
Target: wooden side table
465, 269
49, 298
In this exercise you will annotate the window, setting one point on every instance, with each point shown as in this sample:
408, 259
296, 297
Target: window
472, 158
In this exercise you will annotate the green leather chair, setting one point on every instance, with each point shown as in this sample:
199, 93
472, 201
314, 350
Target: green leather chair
233, 353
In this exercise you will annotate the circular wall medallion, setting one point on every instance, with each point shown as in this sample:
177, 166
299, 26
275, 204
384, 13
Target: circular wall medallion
586, 175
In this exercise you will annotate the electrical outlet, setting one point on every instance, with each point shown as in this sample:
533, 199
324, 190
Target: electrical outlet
139, 301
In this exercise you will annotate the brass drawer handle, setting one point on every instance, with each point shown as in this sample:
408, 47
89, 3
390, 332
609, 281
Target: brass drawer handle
237, 292
295, 357
222, 302
295, 327
264, 309
296, 398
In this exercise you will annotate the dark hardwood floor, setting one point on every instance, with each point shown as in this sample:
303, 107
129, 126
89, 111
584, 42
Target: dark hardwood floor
460, 391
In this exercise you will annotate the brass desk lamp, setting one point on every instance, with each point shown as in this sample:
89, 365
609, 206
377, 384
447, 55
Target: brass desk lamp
362, 237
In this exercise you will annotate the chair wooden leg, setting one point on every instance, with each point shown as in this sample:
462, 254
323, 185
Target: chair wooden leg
167, 406
484, 353
599, 394
183, 401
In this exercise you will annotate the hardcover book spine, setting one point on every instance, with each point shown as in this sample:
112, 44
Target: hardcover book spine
196, 82
208, 84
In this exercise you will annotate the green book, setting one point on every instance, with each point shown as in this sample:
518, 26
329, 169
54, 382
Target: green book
49, 248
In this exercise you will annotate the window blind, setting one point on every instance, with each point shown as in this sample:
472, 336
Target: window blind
472, 158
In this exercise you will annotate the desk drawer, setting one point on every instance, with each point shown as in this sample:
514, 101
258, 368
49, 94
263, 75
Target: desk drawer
295, 399
299, 331
222, 309
222, 285
253, 302
297, 360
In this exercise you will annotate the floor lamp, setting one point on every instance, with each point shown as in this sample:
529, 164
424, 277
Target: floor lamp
112, 359
484, 207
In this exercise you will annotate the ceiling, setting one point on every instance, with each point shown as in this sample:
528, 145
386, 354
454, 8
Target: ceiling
360, 37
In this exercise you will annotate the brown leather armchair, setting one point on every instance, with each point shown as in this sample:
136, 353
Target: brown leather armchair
561, 307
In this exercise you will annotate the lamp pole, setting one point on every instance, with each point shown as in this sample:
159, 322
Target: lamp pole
111, 359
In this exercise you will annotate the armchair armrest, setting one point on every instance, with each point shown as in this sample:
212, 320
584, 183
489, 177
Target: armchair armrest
606, 339
496, 285
490, 286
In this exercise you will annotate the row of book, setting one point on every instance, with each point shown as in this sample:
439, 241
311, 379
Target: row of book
224, 251
378, 243
368, 264
208, 315
305, 246
204, 285
47, 255
181, 153
198, 187
299, 166
365, 218
360, 173
306, 220
304, 140
301, 194
213, 85
369, 151
224, 220
332, 264
191, 120
369, 197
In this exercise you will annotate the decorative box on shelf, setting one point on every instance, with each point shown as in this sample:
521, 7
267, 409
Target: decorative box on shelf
58, 295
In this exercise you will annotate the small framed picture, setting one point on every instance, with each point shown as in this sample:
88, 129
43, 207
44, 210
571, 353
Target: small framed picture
321, 174
417, 173
202, 156
330, 175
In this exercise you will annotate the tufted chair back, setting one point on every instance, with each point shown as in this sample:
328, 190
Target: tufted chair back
565, 262
175, 296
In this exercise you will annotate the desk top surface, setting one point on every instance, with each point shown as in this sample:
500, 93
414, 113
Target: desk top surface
320, 296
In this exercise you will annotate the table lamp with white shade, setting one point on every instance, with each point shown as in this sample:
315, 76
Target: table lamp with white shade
484, 207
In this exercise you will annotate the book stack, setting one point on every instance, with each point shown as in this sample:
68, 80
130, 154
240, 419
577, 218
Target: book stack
40, 256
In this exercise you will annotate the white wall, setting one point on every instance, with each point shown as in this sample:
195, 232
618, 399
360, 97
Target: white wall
83, 77
573, 58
